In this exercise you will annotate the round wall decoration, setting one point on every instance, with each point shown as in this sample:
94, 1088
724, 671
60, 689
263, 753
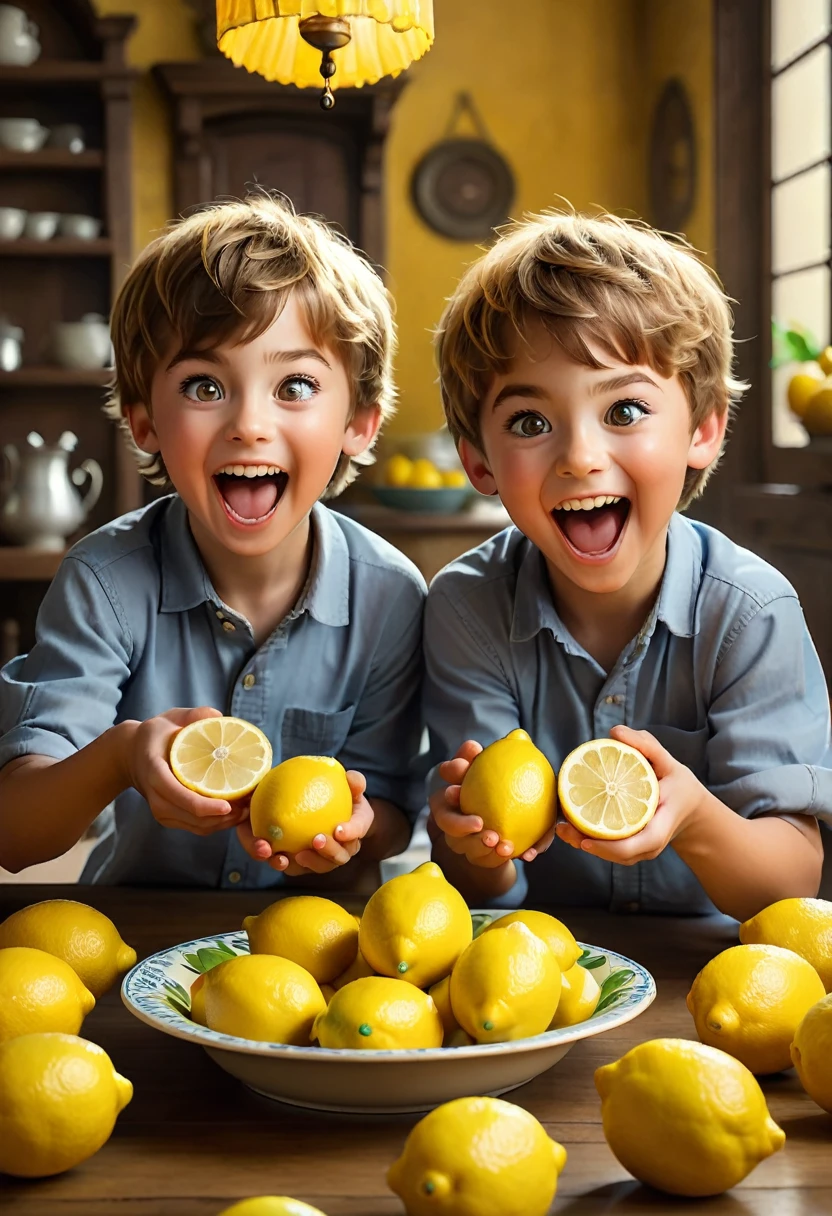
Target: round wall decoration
462, 187
672, 159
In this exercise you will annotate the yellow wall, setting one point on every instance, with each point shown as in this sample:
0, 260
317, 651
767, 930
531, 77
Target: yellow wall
566, 98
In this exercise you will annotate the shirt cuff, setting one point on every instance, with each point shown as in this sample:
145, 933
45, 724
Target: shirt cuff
34, 741
794, 789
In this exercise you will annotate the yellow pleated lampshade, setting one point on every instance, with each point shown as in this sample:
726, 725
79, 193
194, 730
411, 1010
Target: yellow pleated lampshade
262, 36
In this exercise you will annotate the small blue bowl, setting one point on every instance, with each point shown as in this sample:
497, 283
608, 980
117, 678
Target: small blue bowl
442, 501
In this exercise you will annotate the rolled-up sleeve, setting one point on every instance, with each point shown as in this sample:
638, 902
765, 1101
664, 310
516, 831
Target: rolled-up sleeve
385, 738
769, 751
65, 692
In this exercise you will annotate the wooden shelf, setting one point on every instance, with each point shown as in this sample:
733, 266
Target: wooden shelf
51, 158
63, 71
58, 246
57, 377
20, 563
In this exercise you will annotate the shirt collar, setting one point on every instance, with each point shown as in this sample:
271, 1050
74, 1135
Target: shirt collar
185, 581
534, 609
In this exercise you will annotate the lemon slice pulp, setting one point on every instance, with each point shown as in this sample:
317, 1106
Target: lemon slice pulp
607, 789
220, 757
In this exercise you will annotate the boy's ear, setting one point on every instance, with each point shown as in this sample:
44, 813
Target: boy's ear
478, 471
361, 430
707, 439
141, 427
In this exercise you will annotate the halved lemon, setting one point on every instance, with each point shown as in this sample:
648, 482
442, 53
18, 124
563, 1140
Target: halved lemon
607, 789
220, 757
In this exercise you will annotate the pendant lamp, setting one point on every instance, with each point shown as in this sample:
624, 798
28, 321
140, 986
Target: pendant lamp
293, 41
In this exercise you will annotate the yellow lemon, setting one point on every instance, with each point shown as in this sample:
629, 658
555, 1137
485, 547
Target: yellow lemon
454, 479
441, 996
579, 996
825, 361
220, 757
749, 1001
506, 986
811, 1053
357, 970
511, 786
379, 1014
477, 1157
415, 927
685, 1118
607, 789
549, 929
817, 414
271, 1205
198, 1000
299, 799
59, 1099
802, 925
262, 997
317, 934
397, 470
39, 992
424, 475
82, 936
801, 387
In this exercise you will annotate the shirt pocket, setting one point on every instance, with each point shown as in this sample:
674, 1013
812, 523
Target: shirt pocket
689, 747
311, 732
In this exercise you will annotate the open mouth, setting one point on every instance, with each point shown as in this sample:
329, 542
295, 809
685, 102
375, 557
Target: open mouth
592, 526
250, 493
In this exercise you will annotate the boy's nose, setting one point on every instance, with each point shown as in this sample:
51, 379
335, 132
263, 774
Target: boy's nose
252, 421
581, 453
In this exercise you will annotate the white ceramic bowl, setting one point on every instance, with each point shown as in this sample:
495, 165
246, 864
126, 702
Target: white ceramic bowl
366, 1082
22, 134
12, 223
79, 227
41, 225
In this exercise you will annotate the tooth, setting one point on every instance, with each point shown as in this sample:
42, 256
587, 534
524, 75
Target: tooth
564, 506
262, 470
587, 504
601, 500
238, 470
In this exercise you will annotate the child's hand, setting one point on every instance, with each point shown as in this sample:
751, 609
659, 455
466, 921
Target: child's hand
680, 795
464, 834
172, 804
327, 852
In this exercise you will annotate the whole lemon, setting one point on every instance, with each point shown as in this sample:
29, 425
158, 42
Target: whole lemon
801, 387
579, 996
39, 993
505, 986
424, 475
817, 414
415, 926
811, 1053
379, 1014
262, 997
317, 934
82, 936
685, 1118
802, 925
59, 1098
441, 995
299, 799
198, 1000
549, 929
749, 1001
271, 1205
397, 470
511, 786
477, 1157
454, 479
825, 360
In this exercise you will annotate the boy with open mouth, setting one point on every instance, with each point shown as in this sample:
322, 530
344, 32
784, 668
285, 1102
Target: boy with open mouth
585, 366
253, 357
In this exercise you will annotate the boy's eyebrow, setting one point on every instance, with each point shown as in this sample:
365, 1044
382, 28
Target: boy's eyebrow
518, 390
203, 354
616, 382
292, 356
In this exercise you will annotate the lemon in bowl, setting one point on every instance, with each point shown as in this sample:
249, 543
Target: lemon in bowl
419, 485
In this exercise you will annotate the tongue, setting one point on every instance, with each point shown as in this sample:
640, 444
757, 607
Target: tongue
593, 531
249, 497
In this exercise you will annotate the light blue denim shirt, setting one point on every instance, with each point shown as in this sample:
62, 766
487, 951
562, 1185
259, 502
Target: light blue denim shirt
131, 626
723, 673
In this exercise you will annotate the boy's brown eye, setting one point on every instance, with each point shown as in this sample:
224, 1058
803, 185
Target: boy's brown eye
297, 388
528, 425
206, 390
201, 388
625, 413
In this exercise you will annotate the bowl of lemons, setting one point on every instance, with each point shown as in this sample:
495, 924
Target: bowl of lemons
415, 1003
419, 485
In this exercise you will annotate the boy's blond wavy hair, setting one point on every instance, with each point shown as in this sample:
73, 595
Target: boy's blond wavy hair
634, 293
223, 275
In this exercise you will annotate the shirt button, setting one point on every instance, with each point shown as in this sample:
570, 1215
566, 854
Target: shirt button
249, 681
228, 627
609, 700
220, 615
234, 876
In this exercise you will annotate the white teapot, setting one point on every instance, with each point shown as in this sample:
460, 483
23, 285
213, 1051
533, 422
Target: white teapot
41, 506
19, 43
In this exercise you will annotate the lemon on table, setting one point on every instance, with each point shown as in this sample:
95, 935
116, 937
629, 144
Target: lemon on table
811, 1053
817, 413
607, 789
271, 1205
80, 935
415, 926
397, 470
220, 757
549, 929
802, 925
579, 997
685, 1118
800, 388
39, 992
59, 1099
749, 1001
298, 800
424, 475
477, 1157
511, 786
506, 986
262, 997
317, 934
379, 1014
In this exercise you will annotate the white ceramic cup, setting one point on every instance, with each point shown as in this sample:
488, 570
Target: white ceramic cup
22, 134
12, 222
79, 227
41, 225
84, 343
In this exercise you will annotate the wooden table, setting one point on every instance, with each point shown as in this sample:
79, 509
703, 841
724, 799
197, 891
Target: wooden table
194, 1140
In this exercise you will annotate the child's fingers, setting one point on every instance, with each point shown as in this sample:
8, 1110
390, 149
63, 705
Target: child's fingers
358, 825
569, 834
357, 783
649, 746
256, 848
166, 786
469, 750
451, 823
324, 848
453, 771
540, 846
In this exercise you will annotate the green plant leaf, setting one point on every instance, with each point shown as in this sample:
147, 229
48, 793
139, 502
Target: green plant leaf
177, 990
194, 963
792, 344
592, 962
210, 957
481, 921
614, 988
225, 949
